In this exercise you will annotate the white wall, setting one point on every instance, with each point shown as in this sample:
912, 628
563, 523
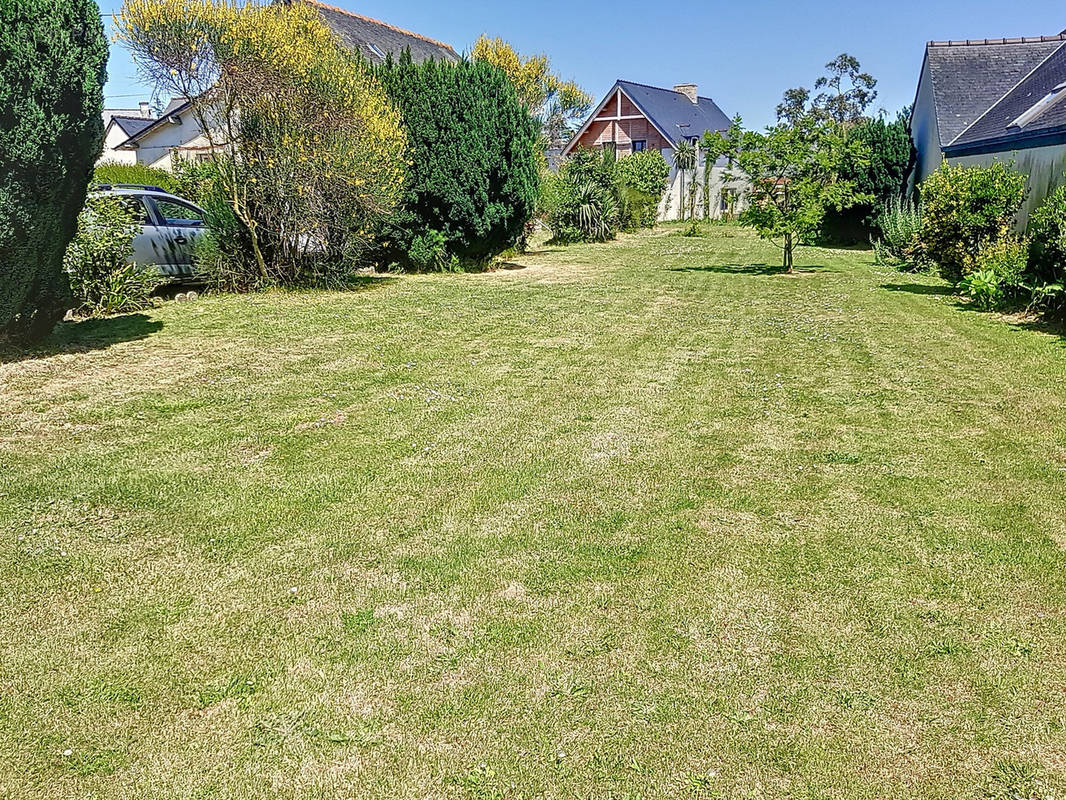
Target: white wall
155, 149
673, 200
114, 137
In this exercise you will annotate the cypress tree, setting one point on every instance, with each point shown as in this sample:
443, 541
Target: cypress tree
53, 56
472, 179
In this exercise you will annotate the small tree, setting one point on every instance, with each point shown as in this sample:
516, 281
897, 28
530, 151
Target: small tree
796, 175
473, 179
53, 55
558, 104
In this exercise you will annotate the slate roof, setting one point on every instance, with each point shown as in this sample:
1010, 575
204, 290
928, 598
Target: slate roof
375, 39
997, 122
673, 113
175, 107
131, 125
971, 78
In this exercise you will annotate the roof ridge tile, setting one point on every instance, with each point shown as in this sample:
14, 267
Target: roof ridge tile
365, 18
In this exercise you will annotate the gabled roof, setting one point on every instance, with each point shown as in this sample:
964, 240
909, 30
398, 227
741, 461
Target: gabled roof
1033, 107
969, 77
375, 40
111, 113
174, 108
130, 125
674, 115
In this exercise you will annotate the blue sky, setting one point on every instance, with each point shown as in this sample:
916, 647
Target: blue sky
743, 54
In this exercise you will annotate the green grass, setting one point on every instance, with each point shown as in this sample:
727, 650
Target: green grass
638, 520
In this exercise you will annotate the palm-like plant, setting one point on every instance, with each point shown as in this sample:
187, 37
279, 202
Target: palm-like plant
685, 161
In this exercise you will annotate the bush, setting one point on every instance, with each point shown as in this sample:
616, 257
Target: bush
101, 277
473, 173
1047, 235
594, 195
900, 244
984, 288
967, 209
883, 177
223, 257
136, 174
584, 205
316, 156
53, 55
999, 273
640, 183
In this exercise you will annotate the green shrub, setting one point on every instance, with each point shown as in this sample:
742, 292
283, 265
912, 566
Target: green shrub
1008, 260
473, 173
194, 180
102, 279
900, 244
585, 212
585, 204
135, 174
640, 183
1047, 235
984, 288
966, 209
53, 56
223, 257
882, 176
998, 274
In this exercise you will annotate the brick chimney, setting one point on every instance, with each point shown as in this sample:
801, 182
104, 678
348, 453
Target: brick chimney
689, 90
146, 109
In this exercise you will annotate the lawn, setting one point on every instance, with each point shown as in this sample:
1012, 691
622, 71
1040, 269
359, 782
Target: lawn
635, 520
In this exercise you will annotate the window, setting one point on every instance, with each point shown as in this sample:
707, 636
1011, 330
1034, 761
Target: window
376, 50
640, 145
1048, 100
135, 206
178, 215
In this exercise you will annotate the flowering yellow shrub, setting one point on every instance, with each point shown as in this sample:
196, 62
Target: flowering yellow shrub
311, 150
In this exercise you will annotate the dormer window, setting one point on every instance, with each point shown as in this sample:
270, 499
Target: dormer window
1045, 103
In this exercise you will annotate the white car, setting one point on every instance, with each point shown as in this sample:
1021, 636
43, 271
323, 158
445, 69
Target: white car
169, 225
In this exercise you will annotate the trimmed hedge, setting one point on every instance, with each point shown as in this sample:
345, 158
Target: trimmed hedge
53, 56
139, 174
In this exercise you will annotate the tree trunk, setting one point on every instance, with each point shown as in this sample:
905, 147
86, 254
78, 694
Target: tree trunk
788, 253
682, 195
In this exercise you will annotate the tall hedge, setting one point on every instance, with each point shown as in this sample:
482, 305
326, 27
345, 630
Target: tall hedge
472, 180
53, 57
884, 178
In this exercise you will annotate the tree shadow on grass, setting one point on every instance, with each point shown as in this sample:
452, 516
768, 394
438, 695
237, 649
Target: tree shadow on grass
748, 269
84, 336
918, 288
1052, 326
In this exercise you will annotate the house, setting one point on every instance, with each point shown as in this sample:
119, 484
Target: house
984, 100
633, 117
119, 125
176, 132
